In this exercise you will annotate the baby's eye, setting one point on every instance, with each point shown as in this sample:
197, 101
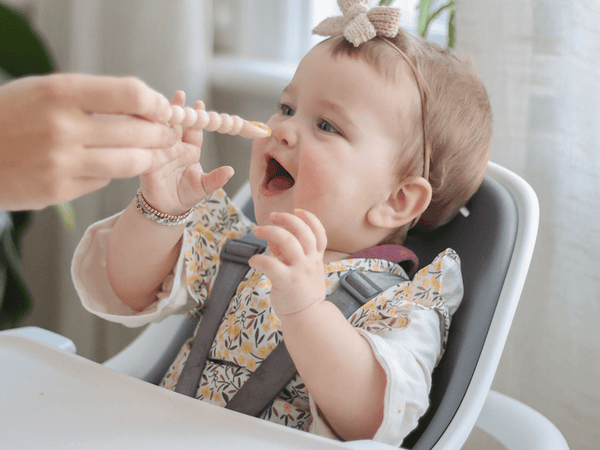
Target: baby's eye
286, 110
327, 127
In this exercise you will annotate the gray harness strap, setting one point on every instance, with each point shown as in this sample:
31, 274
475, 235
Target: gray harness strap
234, 266
275, 372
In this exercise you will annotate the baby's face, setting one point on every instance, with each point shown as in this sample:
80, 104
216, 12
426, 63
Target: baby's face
334, 147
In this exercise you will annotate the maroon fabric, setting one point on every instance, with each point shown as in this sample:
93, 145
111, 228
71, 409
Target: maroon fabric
391, 252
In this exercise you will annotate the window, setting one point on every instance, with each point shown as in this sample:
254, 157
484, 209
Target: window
281, 29
258, 43
263, 29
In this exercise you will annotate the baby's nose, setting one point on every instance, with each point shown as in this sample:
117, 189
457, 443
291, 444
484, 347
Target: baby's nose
286, 134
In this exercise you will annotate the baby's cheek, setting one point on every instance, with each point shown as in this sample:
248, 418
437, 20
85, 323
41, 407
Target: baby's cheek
315, 179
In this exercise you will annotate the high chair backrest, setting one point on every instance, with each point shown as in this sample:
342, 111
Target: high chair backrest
484, 241
495, 244
504, 206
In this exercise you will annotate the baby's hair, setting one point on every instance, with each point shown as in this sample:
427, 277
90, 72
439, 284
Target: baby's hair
458, 121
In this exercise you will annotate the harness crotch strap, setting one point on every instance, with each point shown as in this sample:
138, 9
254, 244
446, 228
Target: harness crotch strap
277, 369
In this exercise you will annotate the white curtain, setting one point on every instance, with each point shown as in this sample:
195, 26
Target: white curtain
166, 43
540, 60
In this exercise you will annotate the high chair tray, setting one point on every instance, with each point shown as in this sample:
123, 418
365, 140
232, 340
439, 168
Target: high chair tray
52, 399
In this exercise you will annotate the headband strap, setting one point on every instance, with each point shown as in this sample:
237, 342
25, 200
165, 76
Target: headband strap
419, 81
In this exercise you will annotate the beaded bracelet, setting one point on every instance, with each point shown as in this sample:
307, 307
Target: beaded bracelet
168, 220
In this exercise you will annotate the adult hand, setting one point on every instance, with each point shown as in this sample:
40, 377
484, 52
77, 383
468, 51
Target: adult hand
65, 135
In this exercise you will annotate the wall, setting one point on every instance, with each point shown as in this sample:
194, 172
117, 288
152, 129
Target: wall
539, 60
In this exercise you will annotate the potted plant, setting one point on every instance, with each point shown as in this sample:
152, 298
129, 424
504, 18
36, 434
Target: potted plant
22, 52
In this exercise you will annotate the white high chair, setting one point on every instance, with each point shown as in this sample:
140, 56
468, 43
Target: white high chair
54, 399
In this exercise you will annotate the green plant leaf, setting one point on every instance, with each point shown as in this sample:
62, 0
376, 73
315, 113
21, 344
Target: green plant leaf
67, 215
451, 29
425, 18
385, 2
431, 17
423, 8
22, 51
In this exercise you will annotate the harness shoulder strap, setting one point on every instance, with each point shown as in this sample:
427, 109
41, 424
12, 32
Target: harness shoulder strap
276, 371
234, 266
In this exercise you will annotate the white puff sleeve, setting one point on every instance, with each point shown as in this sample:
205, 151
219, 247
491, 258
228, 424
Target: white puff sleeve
90, 278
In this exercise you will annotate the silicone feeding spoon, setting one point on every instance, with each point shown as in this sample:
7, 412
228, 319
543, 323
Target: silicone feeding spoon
221, 123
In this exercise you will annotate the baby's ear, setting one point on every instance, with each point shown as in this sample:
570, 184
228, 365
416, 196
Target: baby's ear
406, 202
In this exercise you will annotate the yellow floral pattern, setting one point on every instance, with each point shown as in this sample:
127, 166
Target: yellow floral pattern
250, 329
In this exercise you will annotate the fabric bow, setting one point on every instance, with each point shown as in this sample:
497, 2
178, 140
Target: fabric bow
359, 23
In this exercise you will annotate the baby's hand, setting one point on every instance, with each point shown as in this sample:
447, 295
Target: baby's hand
297, 271
177, 182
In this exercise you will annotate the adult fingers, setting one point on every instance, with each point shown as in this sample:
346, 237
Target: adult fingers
44, 193
117, 162
69, 189
109, 95
107, 130
85, 185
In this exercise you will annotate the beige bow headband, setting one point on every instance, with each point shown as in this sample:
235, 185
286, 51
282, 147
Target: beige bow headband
360, 24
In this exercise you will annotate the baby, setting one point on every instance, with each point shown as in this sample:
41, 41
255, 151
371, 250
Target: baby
371, 138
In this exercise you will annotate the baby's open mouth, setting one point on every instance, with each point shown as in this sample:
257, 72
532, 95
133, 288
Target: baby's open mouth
277, 179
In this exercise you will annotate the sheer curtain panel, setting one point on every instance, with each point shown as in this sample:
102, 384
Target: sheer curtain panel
540, 62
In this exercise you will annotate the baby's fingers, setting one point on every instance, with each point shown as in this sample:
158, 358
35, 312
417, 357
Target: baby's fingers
197, 185
274, 269
298, 228
316, 227
192, 136
282, 243
216, 179
178, 113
